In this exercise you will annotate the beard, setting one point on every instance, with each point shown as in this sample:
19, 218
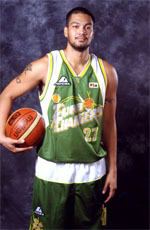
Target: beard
79, 48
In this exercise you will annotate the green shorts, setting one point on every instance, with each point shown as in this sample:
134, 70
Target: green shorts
67, 206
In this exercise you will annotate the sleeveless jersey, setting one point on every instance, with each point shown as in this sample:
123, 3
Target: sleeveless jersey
72, 106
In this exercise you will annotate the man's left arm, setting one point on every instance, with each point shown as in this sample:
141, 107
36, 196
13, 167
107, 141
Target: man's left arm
110, 131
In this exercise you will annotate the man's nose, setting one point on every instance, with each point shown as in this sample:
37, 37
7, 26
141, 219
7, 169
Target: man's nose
82, 30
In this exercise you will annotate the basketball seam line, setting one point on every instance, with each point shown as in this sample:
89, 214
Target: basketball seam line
31, 127
16, 120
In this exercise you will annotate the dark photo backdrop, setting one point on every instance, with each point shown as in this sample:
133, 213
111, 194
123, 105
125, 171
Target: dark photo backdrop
31, 28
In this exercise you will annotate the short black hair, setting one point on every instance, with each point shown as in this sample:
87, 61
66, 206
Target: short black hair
79, 10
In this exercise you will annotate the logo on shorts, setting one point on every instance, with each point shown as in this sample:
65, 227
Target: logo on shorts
39, 211
63, 81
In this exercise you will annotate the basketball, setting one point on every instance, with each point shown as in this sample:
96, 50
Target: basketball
27, 124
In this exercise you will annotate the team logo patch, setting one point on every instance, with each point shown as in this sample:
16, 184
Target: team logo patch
63, 81
38, 211
93, 85
56, 98
89, 103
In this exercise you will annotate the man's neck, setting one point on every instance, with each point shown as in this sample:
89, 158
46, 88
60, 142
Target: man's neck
75, 57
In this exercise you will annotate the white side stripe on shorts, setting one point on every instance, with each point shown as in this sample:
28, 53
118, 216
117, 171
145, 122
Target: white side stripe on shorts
69, 172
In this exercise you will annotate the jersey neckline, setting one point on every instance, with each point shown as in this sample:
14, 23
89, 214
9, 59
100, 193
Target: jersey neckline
82, 73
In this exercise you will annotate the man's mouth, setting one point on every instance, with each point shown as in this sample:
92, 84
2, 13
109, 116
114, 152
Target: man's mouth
81, 38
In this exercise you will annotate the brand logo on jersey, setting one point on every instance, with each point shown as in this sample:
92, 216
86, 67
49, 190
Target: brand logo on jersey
93, 85
38, 211
63, 81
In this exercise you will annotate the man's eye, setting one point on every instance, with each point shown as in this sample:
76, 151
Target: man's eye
75, 26
88, 27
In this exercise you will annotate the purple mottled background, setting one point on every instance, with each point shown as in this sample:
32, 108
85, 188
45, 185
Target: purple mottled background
31, 28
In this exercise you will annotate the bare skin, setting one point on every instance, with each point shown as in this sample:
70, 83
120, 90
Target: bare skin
110, 131
27, 80
79, 33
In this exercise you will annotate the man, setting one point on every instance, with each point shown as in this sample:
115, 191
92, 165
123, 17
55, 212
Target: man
78, 102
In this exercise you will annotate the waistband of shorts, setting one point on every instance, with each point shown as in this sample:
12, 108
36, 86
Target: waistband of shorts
68, 173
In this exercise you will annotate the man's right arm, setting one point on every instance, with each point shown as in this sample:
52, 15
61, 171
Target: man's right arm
33, 75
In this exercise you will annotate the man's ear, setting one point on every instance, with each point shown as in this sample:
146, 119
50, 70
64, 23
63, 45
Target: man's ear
66, 31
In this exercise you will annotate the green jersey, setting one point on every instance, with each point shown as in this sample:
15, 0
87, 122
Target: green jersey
72, 106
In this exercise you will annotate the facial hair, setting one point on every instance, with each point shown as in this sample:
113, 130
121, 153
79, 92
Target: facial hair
79, 48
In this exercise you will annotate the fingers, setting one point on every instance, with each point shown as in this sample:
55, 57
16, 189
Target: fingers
12, 145
110, 195
105, 188
16, 150
109, 188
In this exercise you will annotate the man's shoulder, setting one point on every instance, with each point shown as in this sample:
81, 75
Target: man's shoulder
107, 65
53, 52
110, 70
42, 62
44, 59
40, 66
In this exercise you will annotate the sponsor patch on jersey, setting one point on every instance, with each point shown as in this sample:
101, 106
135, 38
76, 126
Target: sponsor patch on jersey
63, 81
93, 85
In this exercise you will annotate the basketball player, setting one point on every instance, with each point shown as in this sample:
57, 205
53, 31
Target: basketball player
78, 102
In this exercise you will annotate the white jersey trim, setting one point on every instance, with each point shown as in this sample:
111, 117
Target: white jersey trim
68, 173
99, 75
57, 63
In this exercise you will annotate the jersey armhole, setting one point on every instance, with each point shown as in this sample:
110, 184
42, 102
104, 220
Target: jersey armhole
103, 70
48, 77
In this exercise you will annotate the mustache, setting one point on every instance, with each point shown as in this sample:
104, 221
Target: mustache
81, 36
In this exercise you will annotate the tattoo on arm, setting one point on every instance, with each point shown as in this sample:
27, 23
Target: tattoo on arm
18, 80
28, 68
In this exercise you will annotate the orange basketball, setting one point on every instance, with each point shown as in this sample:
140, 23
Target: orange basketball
27, 124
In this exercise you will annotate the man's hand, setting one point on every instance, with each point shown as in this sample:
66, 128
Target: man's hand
110, 185
11, 144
